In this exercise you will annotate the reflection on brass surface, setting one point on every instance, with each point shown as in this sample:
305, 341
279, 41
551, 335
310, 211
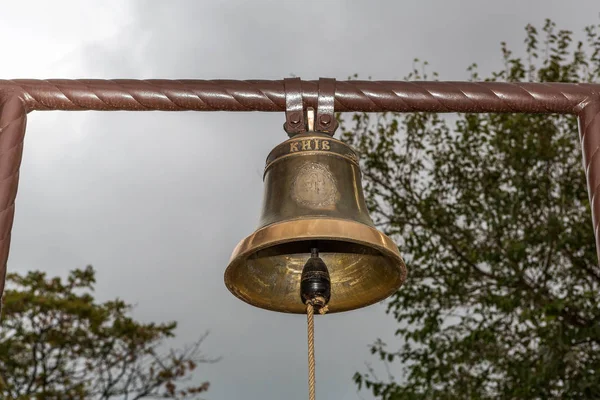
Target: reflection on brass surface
312, 199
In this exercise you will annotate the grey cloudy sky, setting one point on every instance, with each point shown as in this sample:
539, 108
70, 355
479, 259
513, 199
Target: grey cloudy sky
157, 201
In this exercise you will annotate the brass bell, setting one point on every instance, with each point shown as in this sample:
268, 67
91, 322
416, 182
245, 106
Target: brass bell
313, 199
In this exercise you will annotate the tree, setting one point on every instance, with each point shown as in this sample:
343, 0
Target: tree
56, 342
492, 215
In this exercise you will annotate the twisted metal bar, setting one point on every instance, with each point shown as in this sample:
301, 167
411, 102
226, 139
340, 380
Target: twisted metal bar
257, 95
12, 131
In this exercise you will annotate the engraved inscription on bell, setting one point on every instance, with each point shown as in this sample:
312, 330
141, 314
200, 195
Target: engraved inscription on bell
314, 186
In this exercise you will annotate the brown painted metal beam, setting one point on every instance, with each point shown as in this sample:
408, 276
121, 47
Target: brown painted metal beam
12, 131
368, 96
589, 133
18, 97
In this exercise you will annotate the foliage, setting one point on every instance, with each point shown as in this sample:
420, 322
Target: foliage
57, 342
491, 213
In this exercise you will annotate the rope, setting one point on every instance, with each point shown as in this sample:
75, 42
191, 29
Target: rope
311, 350
310, 312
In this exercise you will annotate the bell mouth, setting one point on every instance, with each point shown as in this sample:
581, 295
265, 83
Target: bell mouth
364, 264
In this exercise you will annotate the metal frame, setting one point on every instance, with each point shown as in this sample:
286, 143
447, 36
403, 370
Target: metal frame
19, 97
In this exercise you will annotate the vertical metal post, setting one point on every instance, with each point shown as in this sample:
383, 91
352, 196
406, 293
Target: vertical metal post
13, 117
589, 133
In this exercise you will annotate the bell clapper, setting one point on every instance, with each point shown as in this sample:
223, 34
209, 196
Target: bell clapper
315, 291
315, 285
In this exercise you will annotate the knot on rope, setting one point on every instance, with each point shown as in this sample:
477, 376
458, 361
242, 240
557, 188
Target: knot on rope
318, 303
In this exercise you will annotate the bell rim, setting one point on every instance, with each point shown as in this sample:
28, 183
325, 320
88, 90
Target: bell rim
325, 229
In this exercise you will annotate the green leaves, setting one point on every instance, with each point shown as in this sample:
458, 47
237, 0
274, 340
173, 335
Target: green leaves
491, 214
57, 342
